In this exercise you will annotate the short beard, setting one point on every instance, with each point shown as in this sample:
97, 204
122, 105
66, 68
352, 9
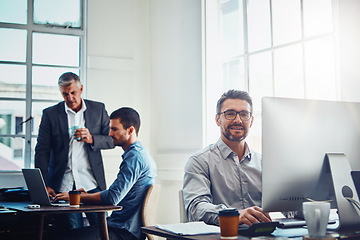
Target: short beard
118, 143
229, 137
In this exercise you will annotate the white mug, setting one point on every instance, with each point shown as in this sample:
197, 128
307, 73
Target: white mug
316, 216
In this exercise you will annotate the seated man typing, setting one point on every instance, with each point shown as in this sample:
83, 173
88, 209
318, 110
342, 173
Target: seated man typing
137, 172
226, 174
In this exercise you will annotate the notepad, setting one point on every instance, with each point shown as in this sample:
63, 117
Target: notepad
189, 228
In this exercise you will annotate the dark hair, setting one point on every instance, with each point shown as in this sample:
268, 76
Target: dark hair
67, 78
128, 117
234, 94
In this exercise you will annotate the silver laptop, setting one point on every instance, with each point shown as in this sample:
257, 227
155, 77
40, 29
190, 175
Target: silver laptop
36, 185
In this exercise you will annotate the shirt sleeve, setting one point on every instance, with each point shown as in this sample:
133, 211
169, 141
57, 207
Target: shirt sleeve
130, 170
101, 139
197, 193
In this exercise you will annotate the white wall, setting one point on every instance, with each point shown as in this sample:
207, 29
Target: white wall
118, 64
349, 48
147, 55
177, 94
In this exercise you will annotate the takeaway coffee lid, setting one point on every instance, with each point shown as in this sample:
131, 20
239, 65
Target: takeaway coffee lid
74, 192
229, 212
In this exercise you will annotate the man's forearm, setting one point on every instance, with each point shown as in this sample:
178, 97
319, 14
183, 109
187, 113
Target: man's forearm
91, 198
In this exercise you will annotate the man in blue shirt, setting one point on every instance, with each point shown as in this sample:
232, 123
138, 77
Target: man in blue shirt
137, 172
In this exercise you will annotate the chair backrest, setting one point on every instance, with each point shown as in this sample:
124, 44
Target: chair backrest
150, 206
183, 218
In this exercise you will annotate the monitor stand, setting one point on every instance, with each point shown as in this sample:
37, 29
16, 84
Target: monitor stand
349, 215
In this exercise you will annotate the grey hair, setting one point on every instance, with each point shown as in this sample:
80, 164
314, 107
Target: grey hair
67, 78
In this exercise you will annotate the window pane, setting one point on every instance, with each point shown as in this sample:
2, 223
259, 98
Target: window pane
56, 49
13, 45
64, 12
320, 69
13, 11
317, 17
37, 108
286, 21
45, 81
12, 81
12, 153
288, 72
12, 114
233, 75
260, 78
258, 24
232, 28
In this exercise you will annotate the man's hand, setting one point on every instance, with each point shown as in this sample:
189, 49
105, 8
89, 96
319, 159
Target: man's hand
62, 196
252, 215
81, 190
51, 192
65, 195
84, 134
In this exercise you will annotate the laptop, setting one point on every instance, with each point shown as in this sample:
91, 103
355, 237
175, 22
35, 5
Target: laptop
36, 185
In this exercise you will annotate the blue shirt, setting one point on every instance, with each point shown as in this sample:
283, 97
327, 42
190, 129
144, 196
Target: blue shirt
137, 172
216, 178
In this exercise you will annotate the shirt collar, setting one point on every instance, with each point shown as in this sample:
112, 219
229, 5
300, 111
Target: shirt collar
225, 151
132, 146
83, 107
247, 154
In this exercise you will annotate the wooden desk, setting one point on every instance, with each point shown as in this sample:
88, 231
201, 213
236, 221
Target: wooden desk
21, 207
355, 234
161, 233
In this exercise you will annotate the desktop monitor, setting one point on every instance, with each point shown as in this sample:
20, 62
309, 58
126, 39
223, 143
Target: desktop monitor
309, 149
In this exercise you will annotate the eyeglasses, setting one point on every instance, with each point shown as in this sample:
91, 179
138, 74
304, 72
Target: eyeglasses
231, 115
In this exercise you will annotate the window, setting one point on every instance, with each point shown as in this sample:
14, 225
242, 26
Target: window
282, 48
40, 40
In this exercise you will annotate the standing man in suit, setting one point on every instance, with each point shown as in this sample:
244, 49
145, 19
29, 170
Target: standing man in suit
72, 160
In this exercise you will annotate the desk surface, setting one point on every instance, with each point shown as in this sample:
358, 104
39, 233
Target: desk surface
7, 211
158, 232
355, 234
22, 207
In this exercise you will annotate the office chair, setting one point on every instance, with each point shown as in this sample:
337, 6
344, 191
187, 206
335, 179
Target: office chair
150, 205
183, 218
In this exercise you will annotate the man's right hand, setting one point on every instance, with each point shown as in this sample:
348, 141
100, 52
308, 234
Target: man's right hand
51, 192
252, 215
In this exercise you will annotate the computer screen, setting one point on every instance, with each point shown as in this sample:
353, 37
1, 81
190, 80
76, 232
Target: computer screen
296, 135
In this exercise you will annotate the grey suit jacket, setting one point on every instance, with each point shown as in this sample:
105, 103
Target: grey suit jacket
51, 151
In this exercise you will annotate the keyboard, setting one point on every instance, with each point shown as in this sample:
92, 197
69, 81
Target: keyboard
296, 223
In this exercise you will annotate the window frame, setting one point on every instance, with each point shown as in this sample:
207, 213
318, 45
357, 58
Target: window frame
213, 59
32, 28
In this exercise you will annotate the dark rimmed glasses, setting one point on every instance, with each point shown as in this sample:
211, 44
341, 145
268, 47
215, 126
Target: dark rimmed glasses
231, 115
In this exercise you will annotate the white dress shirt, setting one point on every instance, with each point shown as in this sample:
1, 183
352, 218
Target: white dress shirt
78, 172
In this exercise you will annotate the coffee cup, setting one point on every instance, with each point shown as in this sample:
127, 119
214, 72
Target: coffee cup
72, 131
74, 198
316, 216
229, 223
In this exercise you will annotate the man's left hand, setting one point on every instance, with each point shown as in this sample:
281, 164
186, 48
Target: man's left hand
61, 196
